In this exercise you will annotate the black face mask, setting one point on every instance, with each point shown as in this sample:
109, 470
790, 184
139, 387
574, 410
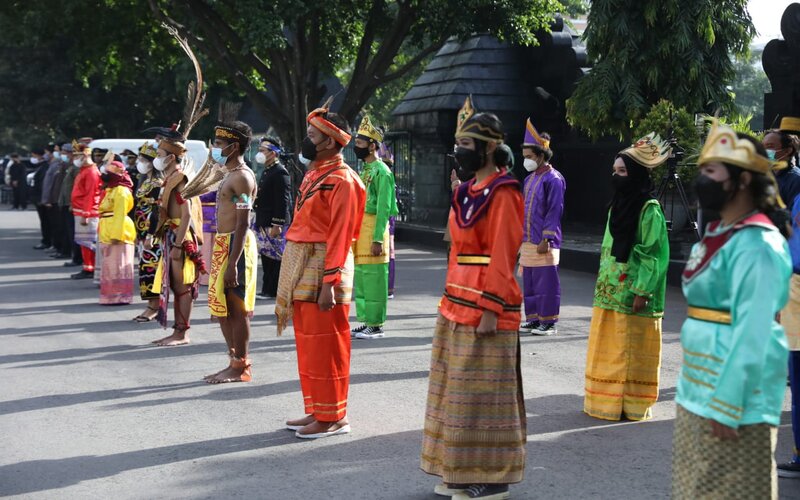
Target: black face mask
622, 183
105, 177
711, 194
361, 153
308, 149
468, 160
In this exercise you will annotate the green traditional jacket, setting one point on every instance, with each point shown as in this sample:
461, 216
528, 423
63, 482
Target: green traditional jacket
381, 196
644, 274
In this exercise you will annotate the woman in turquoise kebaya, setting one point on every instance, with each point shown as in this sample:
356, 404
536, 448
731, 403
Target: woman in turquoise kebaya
733, 379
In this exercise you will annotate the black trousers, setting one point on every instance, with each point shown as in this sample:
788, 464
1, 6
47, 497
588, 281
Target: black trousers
69, 224
44, 224
272, 271
19, 196
56, 228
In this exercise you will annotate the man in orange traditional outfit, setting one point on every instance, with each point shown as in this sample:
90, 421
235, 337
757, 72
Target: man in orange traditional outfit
316, 279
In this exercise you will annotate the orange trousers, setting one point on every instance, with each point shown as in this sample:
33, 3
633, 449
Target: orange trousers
323, 358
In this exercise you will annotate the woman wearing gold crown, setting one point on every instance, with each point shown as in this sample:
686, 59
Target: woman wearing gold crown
731, 386
624, 354
475, 430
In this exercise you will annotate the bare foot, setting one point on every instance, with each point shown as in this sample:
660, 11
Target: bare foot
297, 424
212, 375
231, 374
318, 427
158, 341
176, 339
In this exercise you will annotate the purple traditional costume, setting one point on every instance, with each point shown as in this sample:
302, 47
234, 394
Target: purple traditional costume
544, 204
209, 203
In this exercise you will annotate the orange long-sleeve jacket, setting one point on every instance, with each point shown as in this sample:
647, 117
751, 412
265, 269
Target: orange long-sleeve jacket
486, 232
329, 210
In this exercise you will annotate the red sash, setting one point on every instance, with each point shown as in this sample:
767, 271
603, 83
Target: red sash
711, 244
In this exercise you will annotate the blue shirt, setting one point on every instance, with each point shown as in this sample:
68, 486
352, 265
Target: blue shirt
794, 240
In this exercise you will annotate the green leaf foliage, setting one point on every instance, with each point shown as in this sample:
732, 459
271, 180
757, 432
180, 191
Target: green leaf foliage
647, 50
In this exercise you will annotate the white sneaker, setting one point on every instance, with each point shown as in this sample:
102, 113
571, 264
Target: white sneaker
371, 332
262, 297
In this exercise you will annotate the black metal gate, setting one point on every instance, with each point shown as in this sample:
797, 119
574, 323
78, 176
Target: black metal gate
399, 143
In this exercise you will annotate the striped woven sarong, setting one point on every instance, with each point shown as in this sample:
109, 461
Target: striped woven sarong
622, 365
475, 425
302, 271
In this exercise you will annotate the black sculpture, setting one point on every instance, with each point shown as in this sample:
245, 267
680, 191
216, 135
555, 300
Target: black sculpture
781, 62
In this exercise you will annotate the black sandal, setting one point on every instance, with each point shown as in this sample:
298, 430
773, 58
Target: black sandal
144, 319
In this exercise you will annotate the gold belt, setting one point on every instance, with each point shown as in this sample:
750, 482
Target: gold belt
474, 260
710, 315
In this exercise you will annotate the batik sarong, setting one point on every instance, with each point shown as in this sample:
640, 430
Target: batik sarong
707, 468
161, 283
475, 423
86, 236
246, 268
269, 247
148, 263
116, 284
622, 365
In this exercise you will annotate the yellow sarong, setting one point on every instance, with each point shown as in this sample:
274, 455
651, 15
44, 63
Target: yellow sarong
246, 267
622, 365
362, 248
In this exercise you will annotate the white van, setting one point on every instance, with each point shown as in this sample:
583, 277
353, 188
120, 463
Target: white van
198, 151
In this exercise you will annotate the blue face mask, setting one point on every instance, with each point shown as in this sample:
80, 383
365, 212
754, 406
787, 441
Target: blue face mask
216, 155
771, 154
65, 158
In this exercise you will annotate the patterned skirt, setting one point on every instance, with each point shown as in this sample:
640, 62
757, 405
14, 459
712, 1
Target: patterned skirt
706, 468
475, 424
148, 263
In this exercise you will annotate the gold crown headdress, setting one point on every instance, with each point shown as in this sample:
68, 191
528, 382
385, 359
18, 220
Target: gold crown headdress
369, 132
722, 145
79, 147
467, 127
148, 149
650, 151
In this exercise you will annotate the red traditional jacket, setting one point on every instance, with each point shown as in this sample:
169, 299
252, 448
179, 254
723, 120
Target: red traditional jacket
486, 231
329, 210
86, 192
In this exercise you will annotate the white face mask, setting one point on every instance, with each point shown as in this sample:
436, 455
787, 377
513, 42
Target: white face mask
159, 164
303, 159
34, 161
261, 158
530, 164
78, 162
143, 167
103, 168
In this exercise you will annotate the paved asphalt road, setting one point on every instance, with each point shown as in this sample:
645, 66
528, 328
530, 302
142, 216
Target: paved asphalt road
89, 410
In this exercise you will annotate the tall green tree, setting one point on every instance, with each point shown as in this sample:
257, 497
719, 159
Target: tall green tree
647, 50
749, 87
289, 47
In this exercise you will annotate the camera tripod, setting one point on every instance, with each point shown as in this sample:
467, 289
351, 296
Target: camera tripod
670, 183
